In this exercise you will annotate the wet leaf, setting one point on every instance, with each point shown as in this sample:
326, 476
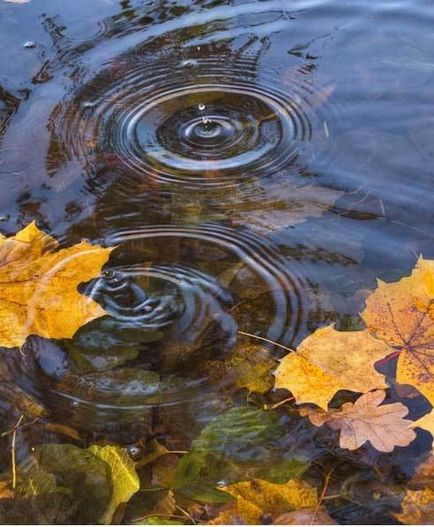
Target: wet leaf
240, 440
417, 507
307, 516
365, 420
157, 520
326, 362
401, 314
258, 498
39, 286
64, 430
426, 422
418, 503
86, 476
249, 366
5, 490
124, 478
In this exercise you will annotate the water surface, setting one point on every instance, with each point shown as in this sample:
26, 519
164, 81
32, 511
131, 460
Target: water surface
257, 164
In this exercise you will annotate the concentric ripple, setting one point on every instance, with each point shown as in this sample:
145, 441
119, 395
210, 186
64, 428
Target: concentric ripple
166, 320
227, 253
206, 123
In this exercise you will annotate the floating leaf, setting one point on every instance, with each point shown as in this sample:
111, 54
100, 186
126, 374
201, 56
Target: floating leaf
328, 361
365, 420
426, 422
401, 314
39, 286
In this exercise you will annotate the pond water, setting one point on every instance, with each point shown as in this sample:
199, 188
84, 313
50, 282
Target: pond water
257, 164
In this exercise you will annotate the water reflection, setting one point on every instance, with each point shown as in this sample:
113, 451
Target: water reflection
257, 166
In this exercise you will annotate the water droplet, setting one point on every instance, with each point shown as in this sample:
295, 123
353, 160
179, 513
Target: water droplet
222, 483
88, 104
30, 44
201, 107
134, 452
206, 120
75, 404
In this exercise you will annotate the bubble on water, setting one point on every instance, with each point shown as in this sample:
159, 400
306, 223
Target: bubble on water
29, 44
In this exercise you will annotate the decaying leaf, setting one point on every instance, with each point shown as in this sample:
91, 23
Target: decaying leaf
418, 503
5, 490
248, 366
417, 507
258, 498
39, 286
124, 478
401, 314
228, 447
307, 516
365, 420
328, 361
98, 479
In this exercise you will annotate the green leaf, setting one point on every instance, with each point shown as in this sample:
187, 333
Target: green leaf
123, 474
87, 477
158, 520
241, 441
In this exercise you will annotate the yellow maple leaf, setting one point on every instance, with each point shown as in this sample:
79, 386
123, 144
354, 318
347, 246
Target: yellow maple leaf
401, 314
258, 497
328, 361
383, 426
426, 422
38, 294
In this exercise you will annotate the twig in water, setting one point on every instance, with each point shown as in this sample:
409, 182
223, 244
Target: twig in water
13, 458
321, 498
265, 340
280, 403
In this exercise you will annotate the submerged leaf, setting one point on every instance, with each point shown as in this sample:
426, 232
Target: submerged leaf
39, 293
240, 440
124, 478
257, 498
417, 507
284, 207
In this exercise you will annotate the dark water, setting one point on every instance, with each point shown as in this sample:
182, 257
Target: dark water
257, 164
